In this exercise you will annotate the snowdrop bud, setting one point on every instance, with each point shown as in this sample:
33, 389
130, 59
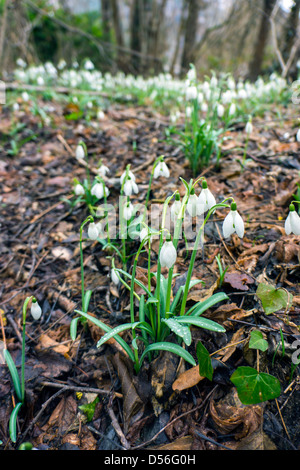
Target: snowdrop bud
298, 136
93, 232
167, 255
16, 107
114, 277
233, 222
35, 310
25, 96
80, 153
161, 169
79, 189
206, 198
292, 223
100, 115
249, 127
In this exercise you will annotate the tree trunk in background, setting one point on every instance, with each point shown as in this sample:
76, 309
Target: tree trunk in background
154, 43
190, 35
135, 33
121, 59
106, 17
290, 33
255, 66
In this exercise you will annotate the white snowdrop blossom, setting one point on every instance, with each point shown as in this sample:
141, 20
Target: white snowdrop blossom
114, 277
100, 115
93, 231
220, 110
233, 222
79, 153
292, 223
232, 109
161, 169
128, 211
298, 135
249, 127
35, 310
103, 170
175, 209
168, 255
206, 198
193, 207
79, 189
191, 93
25, 96
130, 187
130, 175
98, 191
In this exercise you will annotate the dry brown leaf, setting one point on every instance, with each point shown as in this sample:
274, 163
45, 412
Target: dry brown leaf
231, 347
238, 280
45, 342
182, 443
187, 379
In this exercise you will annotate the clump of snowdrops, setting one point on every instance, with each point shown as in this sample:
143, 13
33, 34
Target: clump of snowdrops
161, 320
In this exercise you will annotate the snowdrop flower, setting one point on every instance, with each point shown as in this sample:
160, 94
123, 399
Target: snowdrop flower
233, 222
249, 127
79, 153
130, 187
161, 169
89, 65
40, 81
168, 255
206, 198
102, 170
292, 223
25, 96
175, 209
298, 135
79, 189
35, 310
114, 277
191, 93
93, 231
16, 107
98, 191
128, 211
191, 75
188, 111
220, 110
193, 206
61, 64
21, 63
232, 109
130, 175
100, 115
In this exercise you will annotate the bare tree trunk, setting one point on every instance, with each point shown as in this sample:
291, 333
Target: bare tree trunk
190, 36
255, 66
106, 20
135, 36
3, 33
118, 30
291, 29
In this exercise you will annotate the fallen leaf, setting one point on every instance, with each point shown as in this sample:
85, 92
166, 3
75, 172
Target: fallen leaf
187, 379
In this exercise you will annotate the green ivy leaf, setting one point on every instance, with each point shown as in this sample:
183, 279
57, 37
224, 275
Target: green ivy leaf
257, 341
205, 365
254, 387
273, 299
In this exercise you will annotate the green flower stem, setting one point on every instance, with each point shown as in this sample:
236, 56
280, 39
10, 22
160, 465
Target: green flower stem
106, 211
24, 311
132, 304
88, 219
193, 257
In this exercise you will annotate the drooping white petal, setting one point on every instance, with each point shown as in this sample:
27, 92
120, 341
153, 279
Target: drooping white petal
35, 311
295, 222
193, 206
79, 189
167, 255
175, 209
93, 231
80, 154
128, 211
239, 224
114, 277
287, 225
228, 225
130, 187
161, 169
130, 176
207, 199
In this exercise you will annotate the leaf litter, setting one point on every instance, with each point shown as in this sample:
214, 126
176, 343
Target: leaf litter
168, 405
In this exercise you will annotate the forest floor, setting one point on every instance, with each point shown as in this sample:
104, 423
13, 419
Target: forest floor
39, 255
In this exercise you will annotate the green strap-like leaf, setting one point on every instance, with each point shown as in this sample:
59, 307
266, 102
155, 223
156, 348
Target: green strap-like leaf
106, 328
202, 323
73, 328
171, 347
201, 307
13, 422
14, 374
179, 330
